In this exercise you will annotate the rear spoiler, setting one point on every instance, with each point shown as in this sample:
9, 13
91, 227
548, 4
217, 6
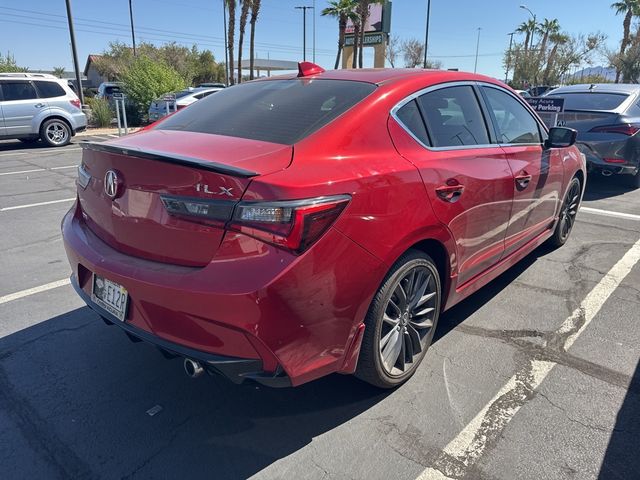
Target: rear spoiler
170, 158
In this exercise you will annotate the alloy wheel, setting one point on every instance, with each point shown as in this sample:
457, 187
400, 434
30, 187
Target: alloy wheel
408, 319
569, 210
57, 133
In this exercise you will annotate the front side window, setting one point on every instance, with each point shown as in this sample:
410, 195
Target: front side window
277, 111
453, 117
18, 91
514, 123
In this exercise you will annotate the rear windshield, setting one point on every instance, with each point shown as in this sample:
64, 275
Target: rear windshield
277, 111
591, 101
182, 93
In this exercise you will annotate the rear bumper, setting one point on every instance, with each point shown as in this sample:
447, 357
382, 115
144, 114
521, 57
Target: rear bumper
627, 152
294, 316
235, 369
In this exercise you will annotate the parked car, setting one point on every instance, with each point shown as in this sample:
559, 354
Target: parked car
523, 93
177, 100
37, 106
107, 89
541, 90
607, 118
214, 84
323, 226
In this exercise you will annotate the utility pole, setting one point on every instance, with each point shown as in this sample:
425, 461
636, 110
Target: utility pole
133, 34
475, 66
75, 52
226, 50
304, 30
426, 35
314, 31
506, 74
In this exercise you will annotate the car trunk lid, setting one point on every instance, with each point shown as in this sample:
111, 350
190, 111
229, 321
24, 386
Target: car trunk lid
154, 165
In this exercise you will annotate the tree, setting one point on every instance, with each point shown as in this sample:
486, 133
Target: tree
412, 52
255, 10
363, 13
244, 13
529, 28
393, 50
231, 5
557, 40
630, 9
547, 28
58, 71
343, 10
8, 64
146, 79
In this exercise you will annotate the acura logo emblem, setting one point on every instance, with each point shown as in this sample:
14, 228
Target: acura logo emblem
111, 183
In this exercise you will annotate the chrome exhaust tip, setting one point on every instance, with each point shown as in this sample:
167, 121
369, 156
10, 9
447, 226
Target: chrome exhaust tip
607, 173
192, 368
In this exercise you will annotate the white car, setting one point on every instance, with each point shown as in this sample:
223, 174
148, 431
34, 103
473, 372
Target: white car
171, 102
39, 106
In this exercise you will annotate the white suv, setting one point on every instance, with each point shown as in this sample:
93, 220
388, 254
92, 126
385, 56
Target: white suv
38, 106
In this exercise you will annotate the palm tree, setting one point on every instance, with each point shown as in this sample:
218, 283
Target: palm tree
548, 28
528, 28
557, 40
363, 12
630, 9
255, 10
58, 71
231, 5
343, 10
244, 13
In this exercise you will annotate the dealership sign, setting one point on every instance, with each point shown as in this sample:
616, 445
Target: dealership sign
546, 104
369, 39
379, 19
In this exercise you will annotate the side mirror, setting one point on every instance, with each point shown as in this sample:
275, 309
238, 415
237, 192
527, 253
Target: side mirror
560, 137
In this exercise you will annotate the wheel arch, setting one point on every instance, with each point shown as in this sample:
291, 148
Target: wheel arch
440, 255
56, 116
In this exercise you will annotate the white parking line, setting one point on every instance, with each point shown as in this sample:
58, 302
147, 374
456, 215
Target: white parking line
18, 207
34, 290
609, 213
37, 170
39, 150
489, 423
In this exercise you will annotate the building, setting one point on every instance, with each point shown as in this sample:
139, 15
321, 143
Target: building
93, 77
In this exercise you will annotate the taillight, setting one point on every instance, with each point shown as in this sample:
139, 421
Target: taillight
615, 160
75, 102
216, 212
624, 129
294, 225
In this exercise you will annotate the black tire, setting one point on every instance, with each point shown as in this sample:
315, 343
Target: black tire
568, 212
412, 330
29, 141
634, 180
55, 133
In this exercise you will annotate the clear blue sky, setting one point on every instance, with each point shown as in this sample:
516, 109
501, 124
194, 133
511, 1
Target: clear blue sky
35, 31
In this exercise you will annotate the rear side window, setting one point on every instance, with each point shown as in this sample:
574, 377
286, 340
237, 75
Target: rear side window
591, 101
410, 116
453, 117
513, 121
49, 89
18, 91
277, 111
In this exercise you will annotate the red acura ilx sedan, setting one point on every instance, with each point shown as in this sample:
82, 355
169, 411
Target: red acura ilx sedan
288, 228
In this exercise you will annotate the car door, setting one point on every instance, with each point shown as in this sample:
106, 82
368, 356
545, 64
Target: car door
467, 177
20, 105
538, 172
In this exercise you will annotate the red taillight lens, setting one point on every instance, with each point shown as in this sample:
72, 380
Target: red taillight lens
294, 225
75, 102
624, 129
614, 160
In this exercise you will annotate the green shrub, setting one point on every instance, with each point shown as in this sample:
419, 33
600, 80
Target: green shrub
146, 79
101, 113
134, 116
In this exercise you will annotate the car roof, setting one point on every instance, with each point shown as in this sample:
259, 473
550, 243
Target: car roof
380, 76
598, 87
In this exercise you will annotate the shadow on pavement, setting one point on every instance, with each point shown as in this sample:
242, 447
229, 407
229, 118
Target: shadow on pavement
621, 459
599, 187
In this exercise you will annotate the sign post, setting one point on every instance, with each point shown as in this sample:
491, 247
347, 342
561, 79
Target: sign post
119, 99
546, 107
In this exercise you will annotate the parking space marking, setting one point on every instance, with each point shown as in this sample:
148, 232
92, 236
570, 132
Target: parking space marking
37, 170
39, 204
609, 213
34, 290
487, 426
40, 150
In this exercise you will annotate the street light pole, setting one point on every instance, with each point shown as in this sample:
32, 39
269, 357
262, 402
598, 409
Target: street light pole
426, 35
314, 31
226, 49
304, 30
506, 73
133, 34
475, 66
76, 67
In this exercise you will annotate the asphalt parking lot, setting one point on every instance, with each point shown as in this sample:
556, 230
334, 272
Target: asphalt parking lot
536, 376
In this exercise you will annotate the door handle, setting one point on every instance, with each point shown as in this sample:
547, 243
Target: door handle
450, 193
39, 105
523, 180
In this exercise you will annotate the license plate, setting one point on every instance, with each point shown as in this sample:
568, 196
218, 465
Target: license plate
110, 296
